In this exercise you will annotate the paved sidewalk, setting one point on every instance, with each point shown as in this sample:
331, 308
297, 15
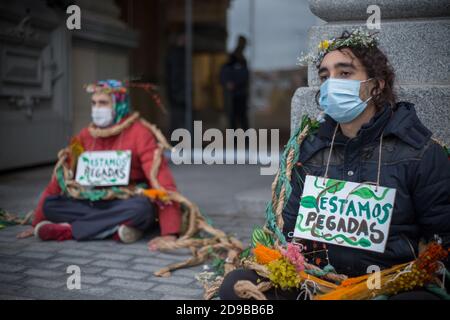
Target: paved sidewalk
31, 269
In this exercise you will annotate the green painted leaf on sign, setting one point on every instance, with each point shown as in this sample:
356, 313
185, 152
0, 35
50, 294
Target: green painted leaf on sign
308, 202
335, 185
367, 193
364, 193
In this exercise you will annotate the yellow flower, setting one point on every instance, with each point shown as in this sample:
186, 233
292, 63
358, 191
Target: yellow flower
324, 45
283, 274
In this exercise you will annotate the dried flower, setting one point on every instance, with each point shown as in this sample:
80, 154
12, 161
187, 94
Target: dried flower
265, 255
324, 45
283, 274
156, 194
292, 253
420, 272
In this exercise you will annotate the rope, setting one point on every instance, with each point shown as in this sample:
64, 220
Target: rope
331, 149
261, 270
281, 187
7, 218
306, 291
379, 163
211, 289
247, 290
328, 272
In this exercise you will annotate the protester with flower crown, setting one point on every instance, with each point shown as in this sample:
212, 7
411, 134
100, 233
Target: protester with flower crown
364, 136
64, 212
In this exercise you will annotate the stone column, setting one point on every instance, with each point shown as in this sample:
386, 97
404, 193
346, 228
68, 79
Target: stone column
415, 34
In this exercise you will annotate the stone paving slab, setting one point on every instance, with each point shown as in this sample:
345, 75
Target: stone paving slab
32, 269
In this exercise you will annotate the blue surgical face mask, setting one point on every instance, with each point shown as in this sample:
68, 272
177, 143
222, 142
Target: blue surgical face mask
339, 98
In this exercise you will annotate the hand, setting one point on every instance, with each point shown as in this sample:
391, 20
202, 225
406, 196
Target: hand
155, 242
26, 233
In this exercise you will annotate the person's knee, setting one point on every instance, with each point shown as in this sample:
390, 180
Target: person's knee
144, 206
226, 290
143, 210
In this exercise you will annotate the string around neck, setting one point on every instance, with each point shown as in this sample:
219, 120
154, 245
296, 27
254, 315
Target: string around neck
379, 158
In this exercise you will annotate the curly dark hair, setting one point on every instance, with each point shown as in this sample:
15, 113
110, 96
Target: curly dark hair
378, 67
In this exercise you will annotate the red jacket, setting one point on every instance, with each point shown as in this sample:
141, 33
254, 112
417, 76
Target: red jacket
142, 144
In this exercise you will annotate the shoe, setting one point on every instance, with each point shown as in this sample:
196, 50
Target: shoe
129, 234
46, 230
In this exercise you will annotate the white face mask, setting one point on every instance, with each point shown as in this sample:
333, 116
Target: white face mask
102, 116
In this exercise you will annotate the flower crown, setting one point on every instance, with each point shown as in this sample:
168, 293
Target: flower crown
119, 90
107, 86
356, 39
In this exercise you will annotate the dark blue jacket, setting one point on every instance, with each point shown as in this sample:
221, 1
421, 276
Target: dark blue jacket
412, 163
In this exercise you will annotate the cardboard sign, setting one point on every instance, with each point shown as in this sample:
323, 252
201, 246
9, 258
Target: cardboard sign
104, 168
345, 213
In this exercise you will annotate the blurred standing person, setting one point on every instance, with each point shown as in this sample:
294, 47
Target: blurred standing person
234, 77
175, 80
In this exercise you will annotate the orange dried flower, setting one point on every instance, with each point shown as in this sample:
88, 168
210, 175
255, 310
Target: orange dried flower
156, 194
265, 255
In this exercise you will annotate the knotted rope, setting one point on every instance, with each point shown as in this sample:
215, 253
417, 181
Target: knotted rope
281, 186
248, 290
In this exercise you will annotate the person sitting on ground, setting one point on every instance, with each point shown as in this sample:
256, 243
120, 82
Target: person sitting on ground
367, 136
59, 216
